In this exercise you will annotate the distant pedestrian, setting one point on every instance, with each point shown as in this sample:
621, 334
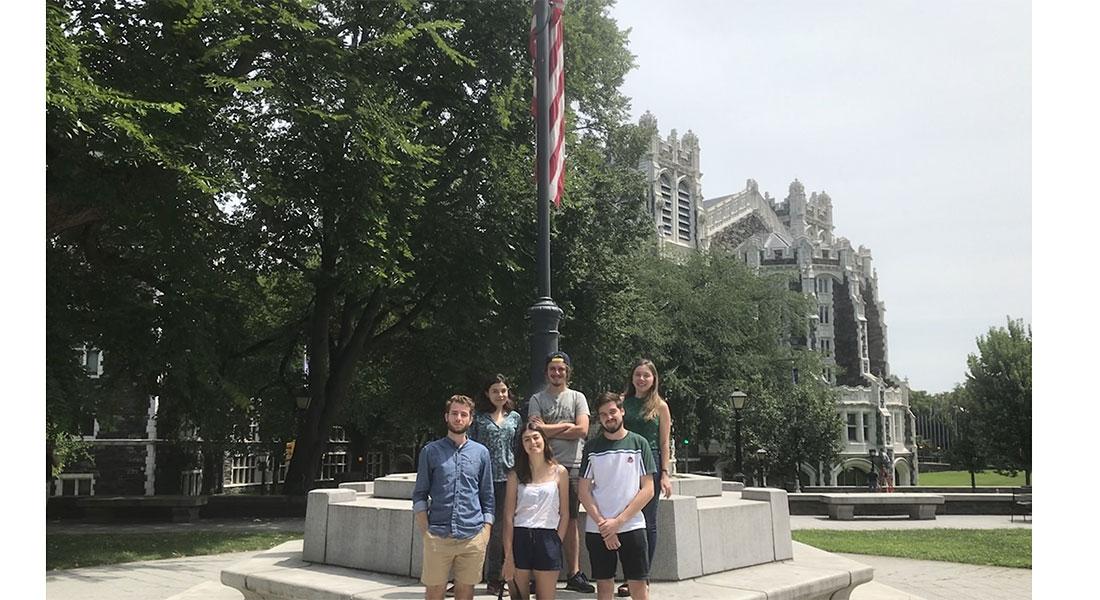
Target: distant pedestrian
617, 481
536, 516
456, 475
872, 480
646, 413
495, 426
562, 416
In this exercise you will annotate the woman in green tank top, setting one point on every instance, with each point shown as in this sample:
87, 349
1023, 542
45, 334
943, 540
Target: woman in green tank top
647, 414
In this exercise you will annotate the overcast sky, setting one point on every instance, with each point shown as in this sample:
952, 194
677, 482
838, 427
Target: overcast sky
914, 116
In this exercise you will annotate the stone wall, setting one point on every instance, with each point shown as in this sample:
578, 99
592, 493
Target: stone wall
120, 469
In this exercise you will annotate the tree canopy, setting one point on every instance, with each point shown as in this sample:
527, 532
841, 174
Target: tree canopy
250, 203
998, 386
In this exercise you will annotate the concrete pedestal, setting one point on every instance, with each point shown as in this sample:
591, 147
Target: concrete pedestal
702, 529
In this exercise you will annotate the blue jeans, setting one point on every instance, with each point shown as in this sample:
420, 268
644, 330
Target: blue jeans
649, 511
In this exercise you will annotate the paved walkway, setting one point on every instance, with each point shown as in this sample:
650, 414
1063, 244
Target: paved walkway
198, 577
934, 580
903, 522
146, 580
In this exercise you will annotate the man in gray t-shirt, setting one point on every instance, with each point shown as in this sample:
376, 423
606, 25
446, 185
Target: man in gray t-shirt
562, 416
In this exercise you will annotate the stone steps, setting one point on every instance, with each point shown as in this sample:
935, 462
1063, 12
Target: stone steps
281, 574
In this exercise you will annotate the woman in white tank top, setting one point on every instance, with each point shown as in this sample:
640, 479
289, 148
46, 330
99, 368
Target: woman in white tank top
536, 513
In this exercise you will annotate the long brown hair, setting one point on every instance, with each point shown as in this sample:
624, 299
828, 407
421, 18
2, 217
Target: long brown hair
653, 399
486, 405
523, 462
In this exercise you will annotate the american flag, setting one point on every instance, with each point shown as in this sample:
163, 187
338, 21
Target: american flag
557, 99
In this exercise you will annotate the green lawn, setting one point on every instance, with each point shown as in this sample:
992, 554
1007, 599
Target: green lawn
67, 551
962, 478
994, 547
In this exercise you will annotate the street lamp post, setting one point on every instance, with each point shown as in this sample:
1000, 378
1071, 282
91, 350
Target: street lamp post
738, 397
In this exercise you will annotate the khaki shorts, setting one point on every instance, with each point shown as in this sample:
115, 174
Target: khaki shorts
466, 556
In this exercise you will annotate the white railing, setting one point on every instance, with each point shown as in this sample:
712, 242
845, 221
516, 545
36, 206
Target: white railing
74, 484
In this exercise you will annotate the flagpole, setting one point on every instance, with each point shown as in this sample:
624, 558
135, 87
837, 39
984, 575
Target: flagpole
545, 314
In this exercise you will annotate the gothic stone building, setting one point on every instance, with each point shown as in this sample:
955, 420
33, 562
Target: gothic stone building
795, 236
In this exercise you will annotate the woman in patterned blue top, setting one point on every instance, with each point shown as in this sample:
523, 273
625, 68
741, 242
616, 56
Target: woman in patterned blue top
495, 426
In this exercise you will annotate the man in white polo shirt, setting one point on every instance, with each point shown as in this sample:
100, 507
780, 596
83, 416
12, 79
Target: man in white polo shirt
616, 482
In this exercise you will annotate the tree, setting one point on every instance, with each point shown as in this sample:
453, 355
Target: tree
713, 325
135, 239
250, 203
391, 141
805, 428
967, 448
998, 383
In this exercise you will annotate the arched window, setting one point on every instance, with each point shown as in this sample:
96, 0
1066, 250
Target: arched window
683, 211
664, 207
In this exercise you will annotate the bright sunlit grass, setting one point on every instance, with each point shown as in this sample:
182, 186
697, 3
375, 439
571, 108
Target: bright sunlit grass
993, 547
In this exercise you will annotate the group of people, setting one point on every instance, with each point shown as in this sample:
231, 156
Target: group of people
501, 494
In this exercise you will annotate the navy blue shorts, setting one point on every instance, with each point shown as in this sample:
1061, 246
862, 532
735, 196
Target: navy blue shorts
631, 553
537, 549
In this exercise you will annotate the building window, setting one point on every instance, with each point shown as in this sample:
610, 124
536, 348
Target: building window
665, 223
824, 253
778, 254
867, 425
827, 374
827, 347
683, 206
372, 464
92, 361
823, 313
333, 463
853, 428
337, 434
242, 469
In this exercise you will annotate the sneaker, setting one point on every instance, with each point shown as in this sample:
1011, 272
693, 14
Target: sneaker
623, 591
578, 582
450, 593
495, 588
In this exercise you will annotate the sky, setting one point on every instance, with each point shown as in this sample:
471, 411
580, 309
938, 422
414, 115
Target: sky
914, 116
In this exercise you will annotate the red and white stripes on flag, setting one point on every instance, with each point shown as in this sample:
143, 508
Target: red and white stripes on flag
557, 99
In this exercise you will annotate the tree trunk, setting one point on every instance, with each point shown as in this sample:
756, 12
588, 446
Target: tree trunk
327, 393
973, 486
302, 471
1027, 478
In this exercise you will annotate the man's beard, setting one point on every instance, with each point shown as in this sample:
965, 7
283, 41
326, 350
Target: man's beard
618, 426
457, 431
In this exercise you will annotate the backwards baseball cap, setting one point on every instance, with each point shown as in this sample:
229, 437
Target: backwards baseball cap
559, 356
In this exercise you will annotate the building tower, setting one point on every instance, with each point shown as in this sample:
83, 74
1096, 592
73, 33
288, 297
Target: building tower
675, 193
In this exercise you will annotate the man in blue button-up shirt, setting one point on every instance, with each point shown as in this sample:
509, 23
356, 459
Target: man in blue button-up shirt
456, 473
